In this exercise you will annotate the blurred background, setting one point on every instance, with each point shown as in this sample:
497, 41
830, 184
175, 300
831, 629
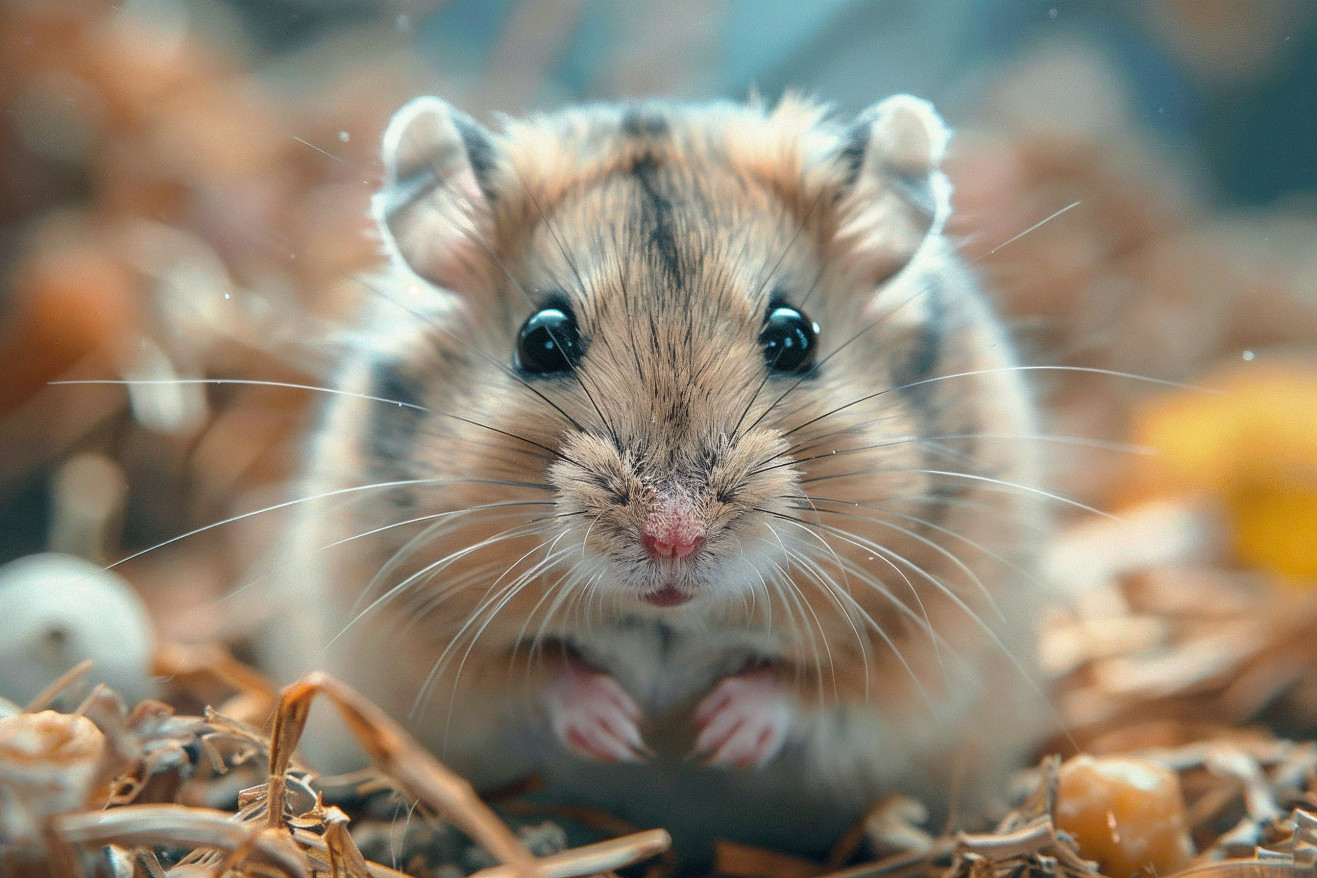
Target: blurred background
183, 194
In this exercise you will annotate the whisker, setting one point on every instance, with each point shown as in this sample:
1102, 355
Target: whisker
935, 639
818, 275
923, 522
1018, 236
873, 324
581, 287
831, 589
428, 536
922, 617
940, 549
323, 152
969, 612
563, 591
489, 609
510, 592
919, 290
1113, 373
921, 621
244, 382
828, 455
555, 596
353, 489
813, 572
794, 602
553, 231
1001, 483
493, 595
1081, 441
428, 603
428, 570
435, 516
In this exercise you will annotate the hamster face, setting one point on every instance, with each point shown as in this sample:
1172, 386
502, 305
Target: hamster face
700, 351
683, 354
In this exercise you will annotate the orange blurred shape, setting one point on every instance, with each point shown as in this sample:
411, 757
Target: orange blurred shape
1250, 442
1125, 814
72, 294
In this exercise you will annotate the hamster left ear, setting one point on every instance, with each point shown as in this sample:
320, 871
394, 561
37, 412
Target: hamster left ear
893, 194
434, 211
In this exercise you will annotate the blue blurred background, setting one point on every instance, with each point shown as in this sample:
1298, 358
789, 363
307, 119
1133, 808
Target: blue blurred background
1231, 82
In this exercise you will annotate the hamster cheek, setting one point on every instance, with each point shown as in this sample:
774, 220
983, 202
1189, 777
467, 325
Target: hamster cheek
592, 715
744, 721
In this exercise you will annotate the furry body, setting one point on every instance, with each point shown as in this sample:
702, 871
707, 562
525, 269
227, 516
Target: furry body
816, 580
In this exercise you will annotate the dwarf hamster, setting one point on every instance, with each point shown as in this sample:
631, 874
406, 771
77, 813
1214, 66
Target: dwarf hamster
678, 460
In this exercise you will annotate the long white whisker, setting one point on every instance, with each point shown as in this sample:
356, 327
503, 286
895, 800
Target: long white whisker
428, 570
435, 516
1013, 238
999, 483
558, 594
245, 382
788, 590
427, 536
831, 589
914, 519
814, 441
493, 595
922, 618
941, 550
873, 624
960, 604
353, 489
510, 592
999, 370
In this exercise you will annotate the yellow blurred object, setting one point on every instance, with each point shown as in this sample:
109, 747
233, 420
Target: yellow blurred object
1124, 813
1253, 446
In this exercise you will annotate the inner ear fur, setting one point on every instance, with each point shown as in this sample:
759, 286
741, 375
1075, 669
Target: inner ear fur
434, 210
893, 193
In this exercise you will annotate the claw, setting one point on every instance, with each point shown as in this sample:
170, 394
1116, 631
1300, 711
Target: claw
594, 717
744, 721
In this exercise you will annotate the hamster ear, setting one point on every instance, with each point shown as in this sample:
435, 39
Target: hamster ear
434, 211
893, 195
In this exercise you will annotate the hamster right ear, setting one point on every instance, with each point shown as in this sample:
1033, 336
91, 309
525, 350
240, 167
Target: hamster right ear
893, 193
434, 211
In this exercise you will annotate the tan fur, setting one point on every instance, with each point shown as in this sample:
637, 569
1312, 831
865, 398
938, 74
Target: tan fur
899, 624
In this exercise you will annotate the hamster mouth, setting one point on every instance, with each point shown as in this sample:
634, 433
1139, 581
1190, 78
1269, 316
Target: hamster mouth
667, 596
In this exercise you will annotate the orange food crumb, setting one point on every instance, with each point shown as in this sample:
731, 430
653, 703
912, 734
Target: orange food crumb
1125, 814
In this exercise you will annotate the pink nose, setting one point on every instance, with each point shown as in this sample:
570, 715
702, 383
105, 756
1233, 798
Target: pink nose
672, 530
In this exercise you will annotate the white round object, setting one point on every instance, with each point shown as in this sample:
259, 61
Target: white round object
57, 610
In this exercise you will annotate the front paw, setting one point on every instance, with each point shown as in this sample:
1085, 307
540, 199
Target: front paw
593, 716
744, 721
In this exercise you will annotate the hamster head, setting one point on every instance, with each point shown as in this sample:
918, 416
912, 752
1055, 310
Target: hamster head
673, 361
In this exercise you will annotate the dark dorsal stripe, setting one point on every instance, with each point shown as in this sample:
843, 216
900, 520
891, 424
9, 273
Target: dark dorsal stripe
644, 122
658, 217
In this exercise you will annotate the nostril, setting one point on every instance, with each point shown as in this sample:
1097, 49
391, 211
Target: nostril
683, 550
678, 548
656, 546
673, 530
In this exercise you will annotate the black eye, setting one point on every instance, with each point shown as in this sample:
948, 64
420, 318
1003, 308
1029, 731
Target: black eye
790, 340
549, 342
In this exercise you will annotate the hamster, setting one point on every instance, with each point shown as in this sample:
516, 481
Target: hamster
679, 461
